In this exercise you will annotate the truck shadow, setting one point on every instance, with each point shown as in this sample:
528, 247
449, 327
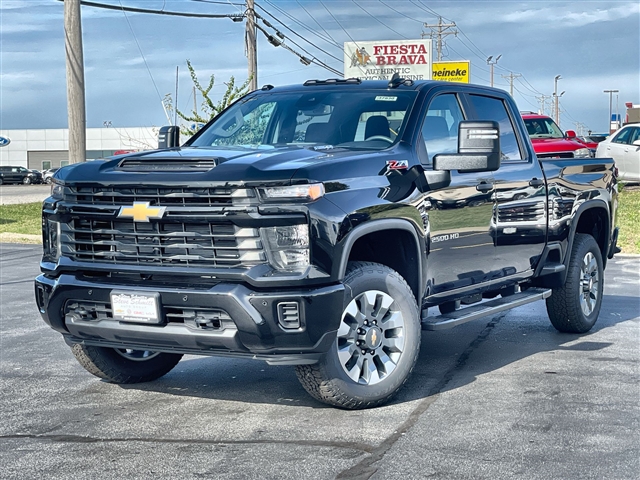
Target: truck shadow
448, 359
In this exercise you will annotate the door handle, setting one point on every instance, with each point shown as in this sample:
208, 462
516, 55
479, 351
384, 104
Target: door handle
484, 187
536, 182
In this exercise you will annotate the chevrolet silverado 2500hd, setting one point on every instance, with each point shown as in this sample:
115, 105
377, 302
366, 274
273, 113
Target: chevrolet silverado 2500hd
314, 225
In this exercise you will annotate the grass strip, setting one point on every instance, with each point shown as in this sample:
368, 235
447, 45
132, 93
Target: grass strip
23, 218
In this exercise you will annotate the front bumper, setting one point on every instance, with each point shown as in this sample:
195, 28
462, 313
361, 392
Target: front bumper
245, 321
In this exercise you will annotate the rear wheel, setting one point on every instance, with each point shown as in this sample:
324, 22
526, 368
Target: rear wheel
124, 365
574, 307
377, 344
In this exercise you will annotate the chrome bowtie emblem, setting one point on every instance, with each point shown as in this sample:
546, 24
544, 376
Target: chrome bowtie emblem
141, 212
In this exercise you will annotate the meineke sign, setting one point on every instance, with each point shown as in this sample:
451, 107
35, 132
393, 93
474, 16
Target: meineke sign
379, 60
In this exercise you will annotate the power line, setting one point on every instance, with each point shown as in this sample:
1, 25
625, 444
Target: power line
295, 20
234, 17
295, 33
339, 24
145, 63
399, 12
317, 23
378, 20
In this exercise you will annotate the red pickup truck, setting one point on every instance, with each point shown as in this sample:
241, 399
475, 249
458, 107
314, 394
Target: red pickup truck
550, 142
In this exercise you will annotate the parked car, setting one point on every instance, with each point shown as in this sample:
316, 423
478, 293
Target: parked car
550, 142
624, 147
11, 174
596, 137
36, 176
322, 243
47, 175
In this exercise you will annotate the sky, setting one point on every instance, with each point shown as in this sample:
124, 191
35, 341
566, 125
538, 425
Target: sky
130, 60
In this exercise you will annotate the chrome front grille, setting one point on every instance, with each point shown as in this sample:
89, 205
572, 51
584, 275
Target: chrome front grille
196, 226
521, 212
161, 243
161, 196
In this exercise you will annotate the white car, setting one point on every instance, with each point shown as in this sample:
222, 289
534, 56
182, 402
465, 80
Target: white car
624, 147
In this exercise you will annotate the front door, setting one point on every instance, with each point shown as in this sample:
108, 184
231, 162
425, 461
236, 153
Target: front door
461, 251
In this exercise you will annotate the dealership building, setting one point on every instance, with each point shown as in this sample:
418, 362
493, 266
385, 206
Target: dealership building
49, 148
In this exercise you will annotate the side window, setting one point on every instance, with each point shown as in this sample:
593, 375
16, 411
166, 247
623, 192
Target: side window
623, 137
440, 127
635, 136
490, 108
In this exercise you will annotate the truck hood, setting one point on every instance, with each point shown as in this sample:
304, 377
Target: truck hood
204, 165
553, 145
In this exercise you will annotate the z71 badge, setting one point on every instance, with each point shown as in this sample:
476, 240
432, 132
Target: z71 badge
397, 164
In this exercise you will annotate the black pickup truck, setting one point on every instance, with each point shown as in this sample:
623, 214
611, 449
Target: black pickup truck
314, 225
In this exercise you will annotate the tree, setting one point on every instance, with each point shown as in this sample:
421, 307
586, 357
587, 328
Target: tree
209, 107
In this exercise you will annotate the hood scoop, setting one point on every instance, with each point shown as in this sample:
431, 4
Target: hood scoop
133, 164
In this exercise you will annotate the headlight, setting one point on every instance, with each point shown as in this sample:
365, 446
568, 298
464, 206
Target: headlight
287, 247
582, 153
51, 240
309, 192
57, 190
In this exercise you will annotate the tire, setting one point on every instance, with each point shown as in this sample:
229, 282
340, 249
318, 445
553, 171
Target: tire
48, 181
347, 378
574, 307
124, 366
26, 181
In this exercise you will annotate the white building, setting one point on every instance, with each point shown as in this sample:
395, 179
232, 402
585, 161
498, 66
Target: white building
42, 149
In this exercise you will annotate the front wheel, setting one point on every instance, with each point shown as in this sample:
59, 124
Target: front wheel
26, 181
377, 344
574, 307
124, 365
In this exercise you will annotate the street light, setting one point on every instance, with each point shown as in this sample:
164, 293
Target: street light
610, 92
556, 97
491, 64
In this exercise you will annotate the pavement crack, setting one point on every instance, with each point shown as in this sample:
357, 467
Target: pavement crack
66, 438
365, 468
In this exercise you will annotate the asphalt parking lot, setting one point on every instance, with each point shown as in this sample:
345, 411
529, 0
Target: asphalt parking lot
502, 397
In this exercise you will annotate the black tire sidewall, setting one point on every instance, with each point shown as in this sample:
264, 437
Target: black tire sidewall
586, 244
378, 277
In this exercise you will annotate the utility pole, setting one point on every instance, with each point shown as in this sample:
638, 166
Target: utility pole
491, 63
510, 77
440, 30
610, 92
250, 41
543, 103
75, 82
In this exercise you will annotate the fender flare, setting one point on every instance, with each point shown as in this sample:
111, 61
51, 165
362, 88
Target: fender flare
344, 249
588, 205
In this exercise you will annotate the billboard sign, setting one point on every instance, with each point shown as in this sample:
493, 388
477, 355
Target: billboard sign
380, 59
451, 71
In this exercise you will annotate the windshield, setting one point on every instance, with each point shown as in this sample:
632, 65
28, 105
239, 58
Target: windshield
543, 128
314, 118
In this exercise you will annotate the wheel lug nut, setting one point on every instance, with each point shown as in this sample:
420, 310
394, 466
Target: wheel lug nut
364, 352
375, 322
366, 322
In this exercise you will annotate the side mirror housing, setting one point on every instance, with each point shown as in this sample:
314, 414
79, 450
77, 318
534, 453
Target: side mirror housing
169, 137
478, 149
636, 143
570, 134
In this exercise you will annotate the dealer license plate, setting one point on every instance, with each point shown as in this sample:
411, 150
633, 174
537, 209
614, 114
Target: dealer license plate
135, 307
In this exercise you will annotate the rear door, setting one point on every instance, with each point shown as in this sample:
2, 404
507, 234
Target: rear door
519, 220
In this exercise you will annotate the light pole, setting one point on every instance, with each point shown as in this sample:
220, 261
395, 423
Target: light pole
555, 97
491, 64
610, 92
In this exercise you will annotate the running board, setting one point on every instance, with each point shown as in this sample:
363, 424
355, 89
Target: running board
474, 312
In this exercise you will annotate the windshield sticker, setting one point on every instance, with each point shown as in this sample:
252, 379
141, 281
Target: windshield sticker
382, 98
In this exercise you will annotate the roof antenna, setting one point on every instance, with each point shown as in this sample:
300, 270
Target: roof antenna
396, 81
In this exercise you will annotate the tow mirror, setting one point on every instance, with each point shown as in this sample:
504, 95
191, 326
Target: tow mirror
570, 134
478, 149
169, 137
